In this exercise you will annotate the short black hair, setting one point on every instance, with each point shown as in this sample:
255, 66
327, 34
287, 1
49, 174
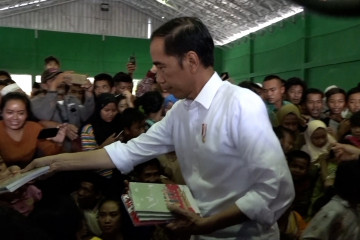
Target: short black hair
104, 77
352, 91
17, 96
131, 116
122, 77
313, 91
153, 162
333, 91
295, 81
290, 156
185, 34
280, 132
5, 73
151, 102
50, 59
271, 77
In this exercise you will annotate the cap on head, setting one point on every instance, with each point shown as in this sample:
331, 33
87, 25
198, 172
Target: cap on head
49, 74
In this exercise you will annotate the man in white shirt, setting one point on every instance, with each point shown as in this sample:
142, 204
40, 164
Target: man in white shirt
229, 155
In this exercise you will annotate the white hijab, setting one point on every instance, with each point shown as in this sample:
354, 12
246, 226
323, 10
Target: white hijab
309, 147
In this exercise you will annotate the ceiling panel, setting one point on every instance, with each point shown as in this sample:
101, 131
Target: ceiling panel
227, 20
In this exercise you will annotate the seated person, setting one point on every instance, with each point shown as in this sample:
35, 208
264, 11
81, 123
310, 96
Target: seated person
18, 136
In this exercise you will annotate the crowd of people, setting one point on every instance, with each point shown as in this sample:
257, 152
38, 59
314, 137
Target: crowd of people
316, 130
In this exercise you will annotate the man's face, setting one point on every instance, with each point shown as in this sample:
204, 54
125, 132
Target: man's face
171, 77
314, 105
294, 94
123, 86
101, 86
52, 64
77, 91
87, 197
274, 90
354, 102
336, 103
150, 174
291, 122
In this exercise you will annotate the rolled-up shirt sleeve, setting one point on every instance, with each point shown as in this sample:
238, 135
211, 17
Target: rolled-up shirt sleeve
270, 191
156, 141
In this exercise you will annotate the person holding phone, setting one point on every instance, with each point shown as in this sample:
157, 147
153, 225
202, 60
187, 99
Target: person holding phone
103, 127
19, 142
57, 106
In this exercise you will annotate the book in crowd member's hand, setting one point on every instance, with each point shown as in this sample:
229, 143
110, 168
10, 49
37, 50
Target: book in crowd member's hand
13, 183
147, 203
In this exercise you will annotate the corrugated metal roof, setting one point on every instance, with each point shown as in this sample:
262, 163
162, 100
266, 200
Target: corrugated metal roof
227, 20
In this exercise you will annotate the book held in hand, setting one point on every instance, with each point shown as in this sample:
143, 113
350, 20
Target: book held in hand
147, 203
11, 184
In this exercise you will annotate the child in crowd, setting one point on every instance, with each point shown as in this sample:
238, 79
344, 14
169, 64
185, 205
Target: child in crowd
292, 223
354, 137
286, 137
151, 104
299, 165
317, 140
122, 103
133, 124
339, 219
353, 104
336, 102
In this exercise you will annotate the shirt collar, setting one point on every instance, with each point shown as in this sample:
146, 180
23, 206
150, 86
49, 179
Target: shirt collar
208, 92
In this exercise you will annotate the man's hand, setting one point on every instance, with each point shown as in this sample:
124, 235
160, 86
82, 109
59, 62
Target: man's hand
60, 79
60, 136
345, 152
72, 132
188, 222
130, 68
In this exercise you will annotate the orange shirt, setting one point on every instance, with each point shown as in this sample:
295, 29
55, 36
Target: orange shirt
22, 152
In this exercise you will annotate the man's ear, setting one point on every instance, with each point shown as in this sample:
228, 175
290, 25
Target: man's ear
193, 61
282, 89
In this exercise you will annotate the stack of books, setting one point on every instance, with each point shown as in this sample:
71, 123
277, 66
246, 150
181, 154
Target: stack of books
147, 203
13, 183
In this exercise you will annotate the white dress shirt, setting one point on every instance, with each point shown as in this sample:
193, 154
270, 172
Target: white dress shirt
238, 161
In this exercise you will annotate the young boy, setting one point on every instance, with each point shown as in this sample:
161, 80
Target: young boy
354, 137
286, 137
133, 124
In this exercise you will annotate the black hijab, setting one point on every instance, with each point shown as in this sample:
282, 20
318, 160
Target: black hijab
102, 129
